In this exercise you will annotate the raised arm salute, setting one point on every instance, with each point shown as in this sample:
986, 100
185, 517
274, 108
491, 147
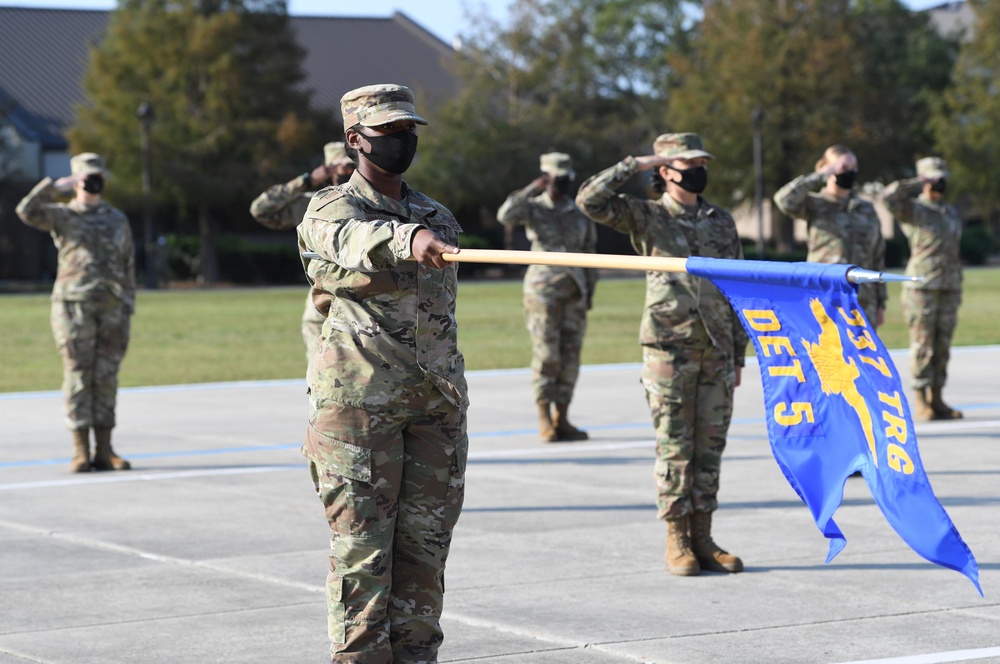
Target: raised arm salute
92, 301
556, 299
933, 229
843, 228
693, 345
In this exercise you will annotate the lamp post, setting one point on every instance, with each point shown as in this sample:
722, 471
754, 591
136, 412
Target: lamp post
757, 116
145, 115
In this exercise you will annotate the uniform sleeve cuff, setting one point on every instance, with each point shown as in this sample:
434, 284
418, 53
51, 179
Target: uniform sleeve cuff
402, 239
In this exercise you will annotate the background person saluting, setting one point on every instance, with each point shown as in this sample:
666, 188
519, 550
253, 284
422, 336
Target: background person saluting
933, 229
92, 301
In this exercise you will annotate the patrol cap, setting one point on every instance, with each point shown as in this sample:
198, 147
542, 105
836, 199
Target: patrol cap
932, 167
557, 164
334, 152
87, 163
375, 105
680, 146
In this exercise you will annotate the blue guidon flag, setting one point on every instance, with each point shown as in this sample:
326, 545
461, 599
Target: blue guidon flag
834, 401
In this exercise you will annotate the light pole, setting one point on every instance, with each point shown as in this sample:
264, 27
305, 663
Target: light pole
757, 116
145, 115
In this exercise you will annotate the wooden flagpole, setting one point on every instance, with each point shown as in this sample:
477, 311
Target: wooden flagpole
612, 262
566, 259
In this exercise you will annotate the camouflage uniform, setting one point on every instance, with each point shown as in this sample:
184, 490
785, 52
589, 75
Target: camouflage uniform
282, 207
930, 306
841, 230
690, 336
387, 440
555, 298
92, 300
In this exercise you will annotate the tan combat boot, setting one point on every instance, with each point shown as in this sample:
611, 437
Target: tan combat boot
708, 553
922, 410
564, 429
546, 431
80, 463
680, 558
942, 411
105, 457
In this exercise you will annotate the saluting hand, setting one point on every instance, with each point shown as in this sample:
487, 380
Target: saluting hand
650, 162
541, 182
838, 165
320, 174
67, 183
427, 249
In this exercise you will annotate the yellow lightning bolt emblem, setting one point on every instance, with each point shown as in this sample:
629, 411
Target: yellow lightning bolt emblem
837, 375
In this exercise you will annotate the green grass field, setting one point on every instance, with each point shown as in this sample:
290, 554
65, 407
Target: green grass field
193, 336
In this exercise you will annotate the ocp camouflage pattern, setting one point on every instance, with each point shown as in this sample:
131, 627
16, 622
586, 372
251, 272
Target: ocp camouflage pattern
92, 336
691, 338
932, 316
844, 231
279, 208
554, 228
94, 244
676, 303
555, 297
933, 230
387, 435
389, 322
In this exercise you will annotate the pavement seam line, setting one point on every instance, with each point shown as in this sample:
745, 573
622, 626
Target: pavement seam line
99, 545
27, 658
838, 621
140, 621
563, 643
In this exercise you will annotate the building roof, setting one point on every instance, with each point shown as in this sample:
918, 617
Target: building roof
44, 53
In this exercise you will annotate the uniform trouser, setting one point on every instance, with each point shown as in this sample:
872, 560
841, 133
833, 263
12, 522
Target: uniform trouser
92, 336
556, 324
932, 316
392, 483
312, 327
690, 395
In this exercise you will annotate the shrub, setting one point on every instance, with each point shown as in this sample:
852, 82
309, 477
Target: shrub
977, 243
241, 261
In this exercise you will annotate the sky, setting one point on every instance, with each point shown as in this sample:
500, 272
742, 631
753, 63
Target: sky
444, 18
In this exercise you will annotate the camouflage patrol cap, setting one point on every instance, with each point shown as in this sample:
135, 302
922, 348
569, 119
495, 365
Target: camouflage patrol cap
86, 163
334, 153
932, 167
680, 146
375, 105
556, 164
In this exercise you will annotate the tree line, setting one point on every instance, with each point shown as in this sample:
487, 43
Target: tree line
598, 79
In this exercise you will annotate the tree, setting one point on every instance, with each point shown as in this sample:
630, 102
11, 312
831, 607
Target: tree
587, 77
222, 77
824, 72
902, 64
966, 122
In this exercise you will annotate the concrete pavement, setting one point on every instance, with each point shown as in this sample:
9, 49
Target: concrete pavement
213, 549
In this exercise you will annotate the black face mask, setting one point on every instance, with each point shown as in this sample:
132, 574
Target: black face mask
94, 184
693, 179
939, 185
392, 152
846, 179
560, 185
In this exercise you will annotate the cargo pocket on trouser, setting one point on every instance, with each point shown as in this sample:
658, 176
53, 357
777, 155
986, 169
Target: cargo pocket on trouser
343, 473
456, 491
456, 487
335, 609
360, 578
